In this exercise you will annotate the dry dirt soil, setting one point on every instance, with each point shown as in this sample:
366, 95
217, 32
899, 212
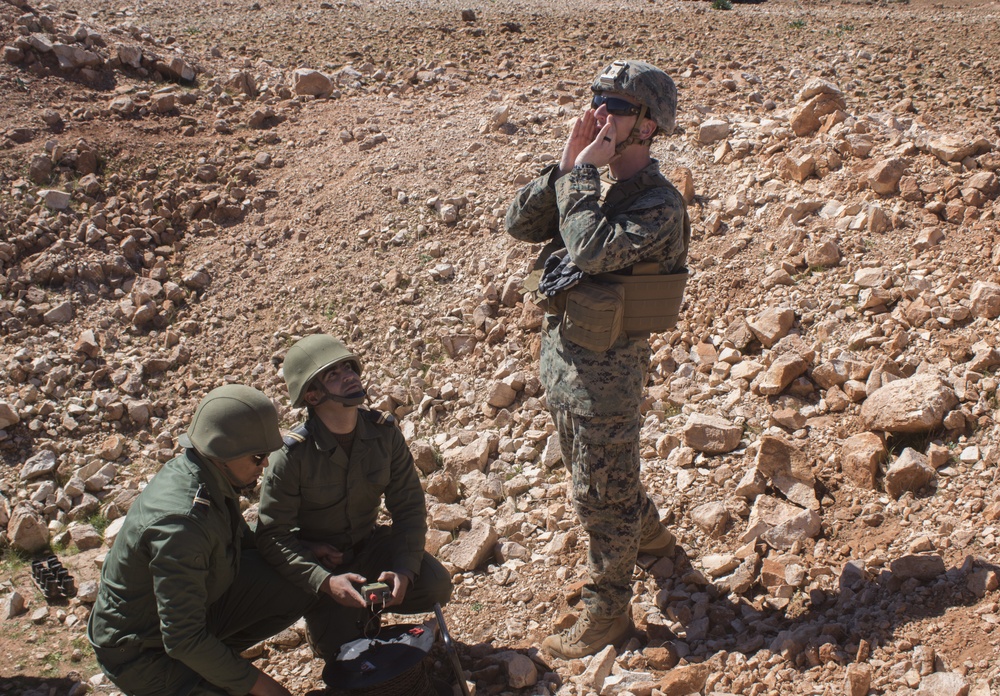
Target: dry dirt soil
375, 212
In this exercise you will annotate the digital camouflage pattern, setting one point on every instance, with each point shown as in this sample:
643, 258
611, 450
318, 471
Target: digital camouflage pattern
610, 501
645, 83
600, 237
594, 397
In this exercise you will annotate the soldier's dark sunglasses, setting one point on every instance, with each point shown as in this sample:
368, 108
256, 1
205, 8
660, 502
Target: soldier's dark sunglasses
615, 106
259, 459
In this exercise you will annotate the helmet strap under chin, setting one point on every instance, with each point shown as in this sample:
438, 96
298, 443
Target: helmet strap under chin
354, 399
633, 136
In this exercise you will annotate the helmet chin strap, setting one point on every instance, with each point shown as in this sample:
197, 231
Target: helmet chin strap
353, 399
633, 137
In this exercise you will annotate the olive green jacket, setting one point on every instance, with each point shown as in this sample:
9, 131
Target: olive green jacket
311, 491
171, 560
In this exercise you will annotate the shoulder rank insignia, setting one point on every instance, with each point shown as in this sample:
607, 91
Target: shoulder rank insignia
202, 502
296, 437
378, 417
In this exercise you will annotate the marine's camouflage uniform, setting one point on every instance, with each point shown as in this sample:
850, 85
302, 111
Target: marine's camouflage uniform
594, 397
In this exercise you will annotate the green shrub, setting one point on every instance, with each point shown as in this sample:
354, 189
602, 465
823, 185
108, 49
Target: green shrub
722, 4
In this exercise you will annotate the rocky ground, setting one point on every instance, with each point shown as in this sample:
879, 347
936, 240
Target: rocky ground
188, 187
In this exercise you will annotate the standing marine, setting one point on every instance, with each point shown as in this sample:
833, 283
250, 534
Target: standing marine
320, 501
614, 270
183, 592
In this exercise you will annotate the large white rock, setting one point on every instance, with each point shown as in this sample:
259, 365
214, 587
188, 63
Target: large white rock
41, 464
771, 325
985, 299
474, 546
311, 82
711, 434
913, 405
788, 469
910, 472
26, 530
943, 684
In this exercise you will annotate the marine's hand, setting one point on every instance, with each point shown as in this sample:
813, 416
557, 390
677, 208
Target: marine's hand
602, 149
266, 686
341, 588
327, 554
584, 130
399, 584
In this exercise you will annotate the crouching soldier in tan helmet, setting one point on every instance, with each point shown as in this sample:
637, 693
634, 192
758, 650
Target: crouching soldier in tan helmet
614, 271
321, 497
182, 590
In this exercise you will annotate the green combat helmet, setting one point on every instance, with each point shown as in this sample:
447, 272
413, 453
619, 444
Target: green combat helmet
649, 86
231, 422
309, 357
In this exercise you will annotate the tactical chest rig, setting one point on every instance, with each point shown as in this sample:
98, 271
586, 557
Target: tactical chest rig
637, 300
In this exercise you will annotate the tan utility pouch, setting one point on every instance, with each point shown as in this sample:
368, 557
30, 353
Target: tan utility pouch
594, 315
652, 303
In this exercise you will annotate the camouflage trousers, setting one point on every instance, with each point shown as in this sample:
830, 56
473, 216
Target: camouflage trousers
602, 453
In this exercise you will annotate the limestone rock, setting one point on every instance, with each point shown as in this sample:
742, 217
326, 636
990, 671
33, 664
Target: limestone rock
922, 566
311, 82
788, 469
711, 434
8, 415
771, 325
473, 456
598, 669
943, 684
985, 299
712, 131
685, 680
884, 176
781, 373
860, 456
12, 605
712, 517
26, 530
473, 547
954, 147
857, 679
912, 405
42, 464
910, 472
57, 200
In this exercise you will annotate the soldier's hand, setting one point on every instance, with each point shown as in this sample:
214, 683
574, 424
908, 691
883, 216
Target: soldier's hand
266, 686
399, 584
341, 588
327, 554
602, 149
584, 130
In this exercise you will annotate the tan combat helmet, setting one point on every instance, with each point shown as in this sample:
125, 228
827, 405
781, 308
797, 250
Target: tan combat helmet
649, 86
231, 422
308, 358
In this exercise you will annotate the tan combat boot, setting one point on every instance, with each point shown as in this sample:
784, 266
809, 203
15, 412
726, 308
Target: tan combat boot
588, 635
663, 544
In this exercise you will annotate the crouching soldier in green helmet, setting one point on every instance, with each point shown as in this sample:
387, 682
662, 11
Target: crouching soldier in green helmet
614, 271
321, 497
182, 590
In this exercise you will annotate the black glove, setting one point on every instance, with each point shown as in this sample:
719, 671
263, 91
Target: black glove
560, 274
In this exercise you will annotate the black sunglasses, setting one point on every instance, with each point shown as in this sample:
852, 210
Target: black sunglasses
614, 105
259, 459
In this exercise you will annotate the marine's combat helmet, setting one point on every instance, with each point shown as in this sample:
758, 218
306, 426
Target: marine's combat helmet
309, 357
645, 83
233, 421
